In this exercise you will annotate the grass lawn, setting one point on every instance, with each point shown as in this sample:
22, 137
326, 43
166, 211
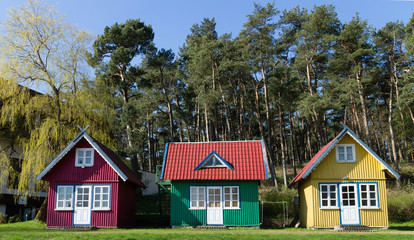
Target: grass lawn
36, 230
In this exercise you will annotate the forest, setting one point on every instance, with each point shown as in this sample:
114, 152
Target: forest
290, 77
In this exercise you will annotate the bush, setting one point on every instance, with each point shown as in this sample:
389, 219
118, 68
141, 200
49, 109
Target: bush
274, 195
400, 206
3, 218
14, 219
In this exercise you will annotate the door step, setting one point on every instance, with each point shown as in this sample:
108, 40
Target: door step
353, 228
211, 227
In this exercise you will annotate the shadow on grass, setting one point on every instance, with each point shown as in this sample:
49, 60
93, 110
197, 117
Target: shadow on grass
402, 228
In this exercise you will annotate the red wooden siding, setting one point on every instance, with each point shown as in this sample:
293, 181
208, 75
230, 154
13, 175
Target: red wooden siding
100, 219
56, 218
104, 219
66, 172
101, 173
126, 207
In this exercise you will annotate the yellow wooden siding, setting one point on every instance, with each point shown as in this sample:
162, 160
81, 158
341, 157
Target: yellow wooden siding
323, 218
306, 203
328, 218
365, 166
377, 217
365, 169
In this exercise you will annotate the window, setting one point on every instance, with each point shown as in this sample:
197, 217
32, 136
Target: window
197, 198
369, 195
345, 153
214, 162
101, 198
64, 198
84, 157
231, 197
328, 196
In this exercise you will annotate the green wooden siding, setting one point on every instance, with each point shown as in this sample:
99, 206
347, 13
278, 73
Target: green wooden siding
247, 215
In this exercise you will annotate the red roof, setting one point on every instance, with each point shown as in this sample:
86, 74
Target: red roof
246, 157
311, 162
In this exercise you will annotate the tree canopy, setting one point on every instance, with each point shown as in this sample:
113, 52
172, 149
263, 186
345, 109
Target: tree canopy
289, 77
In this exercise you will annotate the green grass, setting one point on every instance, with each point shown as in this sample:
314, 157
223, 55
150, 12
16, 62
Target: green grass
36, 230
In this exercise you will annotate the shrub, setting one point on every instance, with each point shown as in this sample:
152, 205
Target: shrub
14, 219
274, 195
3, 218
400, 206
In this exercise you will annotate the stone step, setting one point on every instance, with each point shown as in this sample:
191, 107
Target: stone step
211, 227
352, 228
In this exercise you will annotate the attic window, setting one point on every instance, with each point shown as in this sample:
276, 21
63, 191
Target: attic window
84, 157
345, 153
213, 160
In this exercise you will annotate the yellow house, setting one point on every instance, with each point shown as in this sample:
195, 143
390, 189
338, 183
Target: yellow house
344, 184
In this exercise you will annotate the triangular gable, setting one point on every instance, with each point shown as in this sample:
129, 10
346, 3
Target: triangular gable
327, 148
213, 160
97, 146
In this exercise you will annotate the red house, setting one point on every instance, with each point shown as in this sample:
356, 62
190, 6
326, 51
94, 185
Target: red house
89, 186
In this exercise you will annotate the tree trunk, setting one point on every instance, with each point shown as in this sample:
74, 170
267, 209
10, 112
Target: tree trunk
226, 112
355, 115
282, 144
207, 131
309, 142
411, 113
391, 129
150, 157
170, 115
319, 134
269, 123
258, 116
42, 213
363, 106
292, 148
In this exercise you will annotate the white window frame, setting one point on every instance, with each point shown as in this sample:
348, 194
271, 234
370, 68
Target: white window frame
345, 146
231, 197
101, 187
77, 164
199, 189
368, 198
68, 189
328, 185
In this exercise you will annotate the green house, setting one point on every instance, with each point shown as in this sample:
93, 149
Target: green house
215, 183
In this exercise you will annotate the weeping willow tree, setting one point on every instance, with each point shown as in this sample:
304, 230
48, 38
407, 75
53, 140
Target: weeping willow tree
40, 49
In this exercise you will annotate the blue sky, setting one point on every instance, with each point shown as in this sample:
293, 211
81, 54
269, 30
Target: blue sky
172, 19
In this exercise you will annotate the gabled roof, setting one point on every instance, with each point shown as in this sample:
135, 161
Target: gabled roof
328, 147
183, 161
107, 154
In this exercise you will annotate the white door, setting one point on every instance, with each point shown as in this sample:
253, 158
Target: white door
82, 212
349, 204
214, 206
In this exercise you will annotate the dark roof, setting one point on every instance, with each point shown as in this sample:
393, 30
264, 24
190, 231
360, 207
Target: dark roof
120, 164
